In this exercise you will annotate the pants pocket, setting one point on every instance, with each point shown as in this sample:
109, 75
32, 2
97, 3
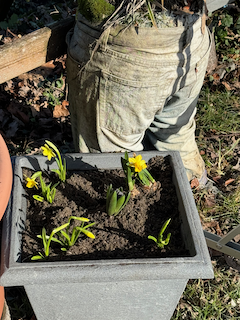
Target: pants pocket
128, 107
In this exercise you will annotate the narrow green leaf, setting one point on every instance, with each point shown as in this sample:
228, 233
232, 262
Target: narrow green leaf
60, 228
166, 241
126, 200
38, 198
76, 235
151, 14
130, 181
119, 204
37, 257
108, 196
89, 225
152, 238
72, 239
36, 175
57, 171
65, 235
143, 178
148, 175
112, 204
58, 163
64, 169
166, 223
43, 185
78, 218
52, 146
57, 240
44, 239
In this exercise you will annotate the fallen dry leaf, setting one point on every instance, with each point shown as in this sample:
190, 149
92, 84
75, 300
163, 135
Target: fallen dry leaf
65, 103
217, 178
213, 155
216, 76
232, 262
237, 166
228, 182
227, 85
236, 85
210, 201
194, 183
237, 238
61, 110
215, 226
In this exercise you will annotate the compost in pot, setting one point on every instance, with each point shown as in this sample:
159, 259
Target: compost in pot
122, 236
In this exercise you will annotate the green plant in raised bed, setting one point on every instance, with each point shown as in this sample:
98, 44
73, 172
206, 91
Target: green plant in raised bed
48, 192
31, 181
136, 168
161, 243
116, 200
47, 241
128, 172
65, 238
49, 150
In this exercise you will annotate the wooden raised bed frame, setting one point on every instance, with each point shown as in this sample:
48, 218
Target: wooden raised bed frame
34, 49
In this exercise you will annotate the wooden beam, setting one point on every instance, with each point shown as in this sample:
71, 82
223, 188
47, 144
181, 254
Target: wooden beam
34, 49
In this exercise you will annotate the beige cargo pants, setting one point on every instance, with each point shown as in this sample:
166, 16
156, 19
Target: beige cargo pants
140, 83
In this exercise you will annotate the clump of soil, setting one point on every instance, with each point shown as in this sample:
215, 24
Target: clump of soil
122, 236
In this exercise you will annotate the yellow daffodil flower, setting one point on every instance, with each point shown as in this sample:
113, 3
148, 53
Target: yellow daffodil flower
31, 183
137, 163
48, 152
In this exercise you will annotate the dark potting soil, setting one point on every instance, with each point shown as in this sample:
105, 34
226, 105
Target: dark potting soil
117, 237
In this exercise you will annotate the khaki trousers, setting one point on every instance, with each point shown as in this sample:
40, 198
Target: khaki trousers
138, 83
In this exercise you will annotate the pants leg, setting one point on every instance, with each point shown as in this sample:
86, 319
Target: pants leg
173, 127
178, 136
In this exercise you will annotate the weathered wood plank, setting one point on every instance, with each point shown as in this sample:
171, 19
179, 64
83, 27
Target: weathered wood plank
38, 47
33, 50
